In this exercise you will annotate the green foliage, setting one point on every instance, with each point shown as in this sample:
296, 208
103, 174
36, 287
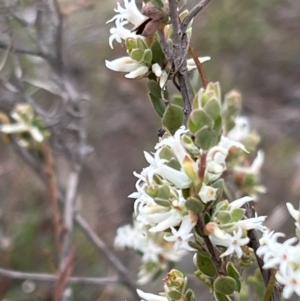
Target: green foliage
155, 97
205, 265
173, 118
225, 285
194, 204
233, 272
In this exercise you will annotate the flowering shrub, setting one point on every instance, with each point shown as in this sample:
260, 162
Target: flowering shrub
195, 194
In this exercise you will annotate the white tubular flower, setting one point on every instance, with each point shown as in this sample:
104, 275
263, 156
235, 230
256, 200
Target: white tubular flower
129, 12
233, 243
252, 223
241, 129
174, 142
152, 252
278, 254
207, 193
127, 64
240, 202
166, 220
182, 236
22, 127
178, 178
191, 63
291, 281
150, 297
128, 236
255, 166
228, 144
120, 33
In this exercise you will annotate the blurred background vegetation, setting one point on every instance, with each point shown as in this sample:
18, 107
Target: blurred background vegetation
255, 48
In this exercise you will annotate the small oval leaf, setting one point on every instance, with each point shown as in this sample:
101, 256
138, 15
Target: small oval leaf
225, 285
173, 118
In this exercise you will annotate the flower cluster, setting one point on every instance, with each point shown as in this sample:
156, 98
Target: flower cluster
285, 257
145, 57
26, 123
181, 184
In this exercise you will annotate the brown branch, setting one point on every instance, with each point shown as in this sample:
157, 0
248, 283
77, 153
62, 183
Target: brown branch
53, 193
52, 278
192, 14
84, 225
199, 66
63, 276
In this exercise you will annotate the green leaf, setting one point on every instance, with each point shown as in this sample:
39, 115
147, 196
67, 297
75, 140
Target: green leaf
206, 96
213, 108
190, 295
157, 53
185, 193
141, 44
206, 218
220, 297
137, 54
199, 119
237, 214
224, 217
174, 295
166, 153
217, 89
163, 192
233, 272
177, 100
158, 4
147, 57
218, 124
194, 205
206, 138
157, 104
162, 202
154, 88
205, 265
130, 44
174, 164
155, 97
225, 285
173, 118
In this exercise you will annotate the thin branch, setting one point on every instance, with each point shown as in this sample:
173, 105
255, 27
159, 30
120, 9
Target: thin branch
25, 51
53, 193
199, 66
192, 14
63, 276
180, 46
164, 45
98, 242
84, 225
52, 278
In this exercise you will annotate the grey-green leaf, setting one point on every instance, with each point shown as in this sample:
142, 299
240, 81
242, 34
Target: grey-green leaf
233, 272
147, 57
206, 138
220, 297
173, 118
194, 205
205, 265
225, 285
